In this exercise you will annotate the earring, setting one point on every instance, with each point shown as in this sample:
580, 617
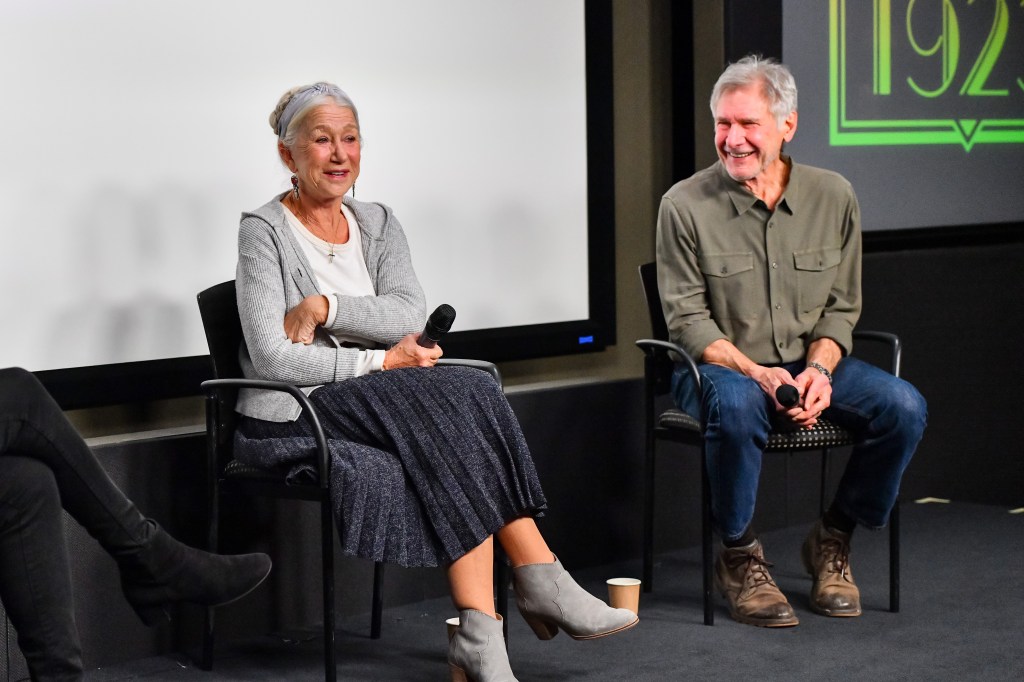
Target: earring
353, 190
295, 185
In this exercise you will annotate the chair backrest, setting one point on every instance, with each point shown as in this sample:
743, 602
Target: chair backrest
649, 278
219, 310
663, 364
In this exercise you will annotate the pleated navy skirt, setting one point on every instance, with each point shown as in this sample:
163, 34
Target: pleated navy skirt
425, 462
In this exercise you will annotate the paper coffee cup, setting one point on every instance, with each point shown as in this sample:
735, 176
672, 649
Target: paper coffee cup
624, 593
453, 625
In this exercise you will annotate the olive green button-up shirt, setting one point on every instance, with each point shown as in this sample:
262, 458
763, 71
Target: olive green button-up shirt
771, 282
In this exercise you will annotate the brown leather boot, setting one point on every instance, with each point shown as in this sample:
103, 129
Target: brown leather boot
741, 575
826, 556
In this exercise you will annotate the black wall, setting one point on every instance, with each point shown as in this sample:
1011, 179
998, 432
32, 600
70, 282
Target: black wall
958, 311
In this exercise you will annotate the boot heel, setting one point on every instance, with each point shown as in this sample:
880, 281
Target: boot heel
458, 674
544, 629
152, 615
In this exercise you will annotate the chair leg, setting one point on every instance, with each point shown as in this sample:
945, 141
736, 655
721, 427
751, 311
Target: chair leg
213, 518
327, 562
502, 578
894, 558
707, 550
824, 481
648, 539
206, 660
377, 607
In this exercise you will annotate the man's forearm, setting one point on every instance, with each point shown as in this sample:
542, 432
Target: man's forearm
824, 352
723, 352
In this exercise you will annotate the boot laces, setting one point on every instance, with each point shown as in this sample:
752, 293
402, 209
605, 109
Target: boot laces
755, 573
836, 555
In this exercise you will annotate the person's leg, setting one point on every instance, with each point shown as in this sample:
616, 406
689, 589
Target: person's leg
32, 424
737, 420
477, 649
35, 585
887, 416
471, 578
155, 568
523, 543
547, 596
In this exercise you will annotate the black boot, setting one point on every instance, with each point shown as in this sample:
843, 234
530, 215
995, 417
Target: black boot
164, 571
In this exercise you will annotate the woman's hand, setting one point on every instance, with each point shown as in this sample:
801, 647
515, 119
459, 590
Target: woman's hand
408, 353
300, 322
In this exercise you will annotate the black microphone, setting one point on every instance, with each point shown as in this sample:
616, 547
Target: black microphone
787, 395
438, 324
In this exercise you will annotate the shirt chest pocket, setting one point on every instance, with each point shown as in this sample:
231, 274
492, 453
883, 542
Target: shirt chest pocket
815, 274
731, 280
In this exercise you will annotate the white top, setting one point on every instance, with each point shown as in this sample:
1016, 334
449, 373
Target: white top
343, 273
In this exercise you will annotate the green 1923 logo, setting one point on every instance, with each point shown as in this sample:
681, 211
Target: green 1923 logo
926, 72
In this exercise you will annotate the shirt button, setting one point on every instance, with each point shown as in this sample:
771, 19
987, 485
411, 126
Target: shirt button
725, 270
778, 306
775, 265
780, 344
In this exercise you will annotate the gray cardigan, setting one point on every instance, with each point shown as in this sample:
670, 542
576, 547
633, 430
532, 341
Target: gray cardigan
273, 276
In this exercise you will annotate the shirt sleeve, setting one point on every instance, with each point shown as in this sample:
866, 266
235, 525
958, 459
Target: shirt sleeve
843, 307
681, 283
332, 310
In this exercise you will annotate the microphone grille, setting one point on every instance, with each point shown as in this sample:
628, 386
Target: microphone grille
787, 395
443, 317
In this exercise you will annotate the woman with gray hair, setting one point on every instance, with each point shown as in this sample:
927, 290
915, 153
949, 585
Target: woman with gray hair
428, 464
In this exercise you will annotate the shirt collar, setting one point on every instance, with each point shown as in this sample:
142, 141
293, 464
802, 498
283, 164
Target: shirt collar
743, 199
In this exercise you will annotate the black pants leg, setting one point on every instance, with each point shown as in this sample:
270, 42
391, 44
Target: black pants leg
33, 425
35, 585
44, 465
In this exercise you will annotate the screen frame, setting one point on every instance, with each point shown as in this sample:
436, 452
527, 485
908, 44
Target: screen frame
149, 380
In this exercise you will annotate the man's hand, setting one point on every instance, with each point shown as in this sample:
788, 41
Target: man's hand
300, 322
770, 378
814, 389
816, 392
408, 353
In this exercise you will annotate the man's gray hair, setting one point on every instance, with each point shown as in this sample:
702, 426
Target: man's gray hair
775, 80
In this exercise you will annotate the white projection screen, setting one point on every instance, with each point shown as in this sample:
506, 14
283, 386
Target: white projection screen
136, 133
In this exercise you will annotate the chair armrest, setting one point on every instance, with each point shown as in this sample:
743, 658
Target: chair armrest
653, 348
488, 367
888, 339
213, 386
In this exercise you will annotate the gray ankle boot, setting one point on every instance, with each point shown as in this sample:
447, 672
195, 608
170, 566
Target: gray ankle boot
549, 599
477, 652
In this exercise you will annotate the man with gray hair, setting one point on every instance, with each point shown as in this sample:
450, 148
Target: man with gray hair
759, 262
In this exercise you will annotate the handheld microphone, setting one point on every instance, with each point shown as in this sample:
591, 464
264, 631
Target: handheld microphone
787, 395
438, 324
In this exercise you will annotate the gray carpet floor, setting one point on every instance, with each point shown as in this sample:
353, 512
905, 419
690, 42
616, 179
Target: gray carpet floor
962, 618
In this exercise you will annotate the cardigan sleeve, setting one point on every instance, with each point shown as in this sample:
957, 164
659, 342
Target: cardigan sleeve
262, 294
399, 306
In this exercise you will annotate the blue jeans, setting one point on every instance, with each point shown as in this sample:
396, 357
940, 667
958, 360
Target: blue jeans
885, 414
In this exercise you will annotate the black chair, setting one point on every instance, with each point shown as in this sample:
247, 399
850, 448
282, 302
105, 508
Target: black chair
673, 425
227, 476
